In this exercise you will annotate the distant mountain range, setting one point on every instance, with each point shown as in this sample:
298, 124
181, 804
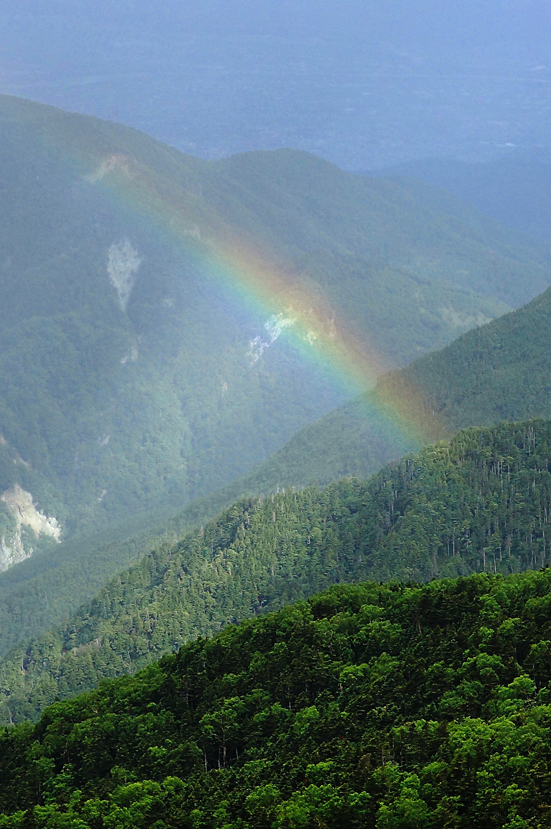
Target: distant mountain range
168, 323
515, 190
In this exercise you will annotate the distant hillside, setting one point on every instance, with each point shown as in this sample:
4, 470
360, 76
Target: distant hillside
168, 323
497, 372
514, 190
392, 706
478, 504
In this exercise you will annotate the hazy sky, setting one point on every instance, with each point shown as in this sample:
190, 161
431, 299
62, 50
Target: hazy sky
363, 83
411, 22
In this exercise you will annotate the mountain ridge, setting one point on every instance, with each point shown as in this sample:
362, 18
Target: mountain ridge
513, 190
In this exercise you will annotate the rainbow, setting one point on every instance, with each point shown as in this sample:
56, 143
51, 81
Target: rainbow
294, 311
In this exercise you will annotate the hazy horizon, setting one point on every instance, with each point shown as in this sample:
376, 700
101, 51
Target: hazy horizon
365, 85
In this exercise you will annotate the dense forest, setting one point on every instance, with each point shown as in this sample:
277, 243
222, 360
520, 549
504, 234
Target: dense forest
478, 504
54, 582
394, 706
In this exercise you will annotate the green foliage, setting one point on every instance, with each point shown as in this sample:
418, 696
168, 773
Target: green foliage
393, 706
479, 504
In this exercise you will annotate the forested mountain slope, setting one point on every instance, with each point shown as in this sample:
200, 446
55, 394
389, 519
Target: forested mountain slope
497, 372
480, 503
167, 322
389, 706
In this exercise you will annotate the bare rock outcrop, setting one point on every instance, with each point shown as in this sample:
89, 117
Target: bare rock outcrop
13, 547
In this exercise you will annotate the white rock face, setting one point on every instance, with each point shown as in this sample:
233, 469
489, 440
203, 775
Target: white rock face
274, 326
123, 262
12, 551
20, 503
133, 352
108, 165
